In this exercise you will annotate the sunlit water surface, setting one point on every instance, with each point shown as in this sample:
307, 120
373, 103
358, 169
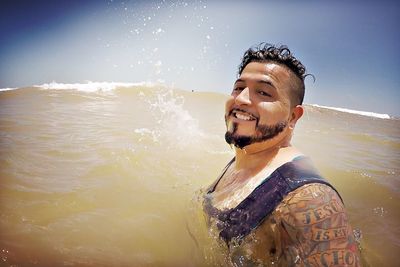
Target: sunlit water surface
114, 177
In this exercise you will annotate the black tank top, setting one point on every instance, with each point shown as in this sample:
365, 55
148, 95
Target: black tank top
247, 215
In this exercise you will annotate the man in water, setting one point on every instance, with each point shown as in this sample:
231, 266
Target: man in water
270, 206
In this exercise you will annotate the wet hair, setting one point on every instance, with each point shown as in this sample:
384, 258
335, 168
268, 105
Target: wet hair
265, 52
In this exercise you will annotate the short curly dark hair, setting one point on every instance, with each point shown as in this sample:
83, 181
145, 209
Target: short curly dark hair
266, 52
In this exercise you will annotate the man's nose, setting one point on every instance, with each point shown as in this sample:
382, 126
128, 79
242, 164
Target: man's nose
243, 98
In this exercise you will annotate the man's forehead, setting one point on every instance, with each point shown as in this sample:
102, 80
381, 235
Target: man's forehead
264, 72
271, 66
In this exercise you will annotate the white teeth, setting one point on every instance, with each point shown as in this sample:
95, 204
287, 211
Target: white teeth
243, 117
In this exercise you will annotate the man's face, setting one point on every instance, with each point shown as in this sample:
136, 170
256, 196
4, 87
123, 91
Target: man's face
259, 107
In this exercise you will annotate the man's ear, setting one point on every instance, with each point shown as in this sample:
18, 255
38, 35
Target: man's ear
297, 112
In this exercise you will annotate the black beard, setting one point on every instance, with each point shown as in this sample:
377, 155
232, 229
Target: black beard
266, 133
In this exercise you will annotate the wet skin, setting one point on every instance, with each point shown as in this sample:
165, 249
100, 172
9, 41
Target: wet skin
310, 227
260, 97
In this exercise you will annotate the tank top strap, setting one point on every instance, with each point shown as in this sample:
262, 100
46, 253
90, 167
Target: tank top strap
214, 185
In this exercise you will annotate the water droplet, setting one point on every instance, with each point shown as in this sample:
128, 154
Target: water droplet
357, 235
379, 211
297, 259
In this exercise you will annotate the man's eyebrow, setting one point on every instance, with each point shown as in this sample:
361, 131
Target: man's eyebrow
266, 82
239, 80
258, 81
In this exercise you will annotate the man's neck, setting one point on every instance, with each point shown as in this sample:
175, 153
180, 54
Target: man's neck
259, 155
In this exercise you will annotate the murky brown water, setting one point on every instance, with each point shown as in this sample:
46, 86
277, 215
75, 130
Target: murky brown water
111, 178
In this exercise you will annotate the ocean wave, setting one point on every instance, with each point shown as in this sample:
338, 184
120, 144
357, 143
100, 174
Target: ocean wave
91, 86
88, 87
7, 89
358, 112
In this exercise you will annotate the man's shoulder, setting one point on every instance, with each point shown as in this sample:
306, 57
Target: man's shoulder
312, 193
314, 218
312, 203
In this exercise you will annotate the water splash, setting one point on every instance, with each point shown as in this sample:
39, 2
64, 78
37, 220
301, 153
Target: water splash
174, 124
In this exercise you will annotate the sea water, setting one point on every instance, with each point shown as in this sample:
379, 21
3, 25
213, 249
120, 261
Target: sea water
108, 174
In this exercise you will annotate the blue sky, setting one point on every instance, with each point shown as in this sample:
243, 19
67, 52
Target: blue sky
350, 46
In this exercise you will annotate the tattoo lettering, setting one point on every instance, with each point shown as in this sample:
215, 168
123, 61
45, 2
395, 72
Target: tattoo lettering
316, 225
320, 213
309, 228
332, 258
319, 234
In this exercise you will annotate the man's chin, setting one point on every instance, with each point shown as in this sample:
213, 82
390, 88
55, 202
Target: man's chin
239, 141
265, 133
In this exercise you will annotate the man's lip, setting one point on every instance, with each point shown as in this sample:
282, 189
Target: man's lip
242, 112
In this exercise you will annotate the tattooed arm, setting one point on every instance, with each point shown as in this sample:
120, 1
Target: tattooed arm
315, 230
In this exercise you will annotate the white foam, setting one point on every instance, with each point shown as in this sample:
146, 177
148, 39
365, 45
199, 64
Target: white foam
90, 86
7, 89
363, 113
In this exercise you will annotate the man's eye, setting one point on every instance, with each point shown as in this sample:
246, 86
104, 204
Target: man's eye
263, 93
238, 89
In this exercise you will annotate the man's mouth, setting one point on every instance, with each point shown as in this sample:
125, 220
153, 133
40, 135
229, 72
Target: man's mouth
243, 115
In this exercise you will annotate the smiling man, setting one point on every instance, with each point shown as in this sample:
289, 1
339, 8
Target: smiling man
270, 206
